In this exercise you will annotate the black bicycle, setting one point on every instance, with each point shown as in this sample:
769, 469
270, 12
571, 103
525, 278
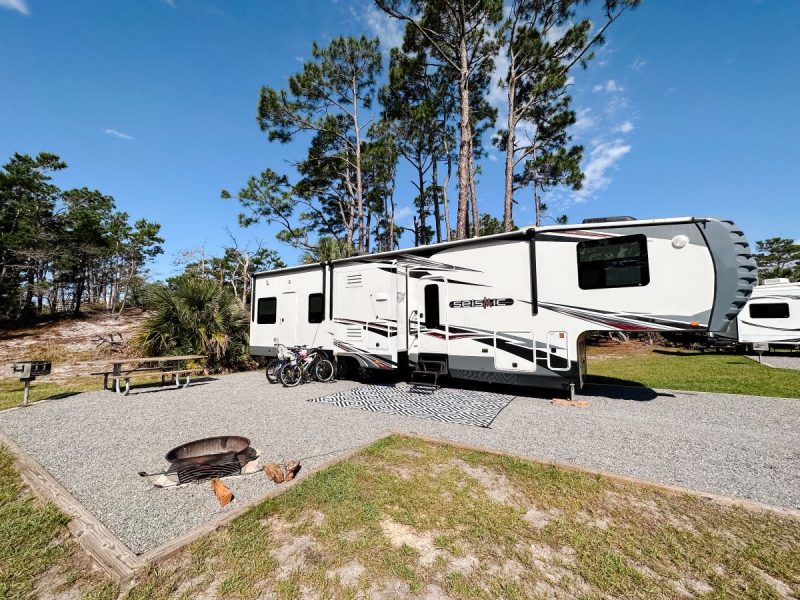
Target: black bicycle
307, 365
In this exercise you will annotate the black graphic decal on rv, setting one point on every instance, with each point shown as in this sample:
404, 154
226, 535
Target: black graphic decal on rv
378, 362
624, 321
482, 303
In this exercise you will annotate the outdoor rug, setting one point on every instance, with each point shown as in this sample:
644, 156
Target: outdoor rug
463, 407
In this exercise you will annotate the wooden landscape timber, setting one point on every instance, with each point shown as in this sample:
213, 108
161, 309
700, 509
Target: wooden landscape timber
99, 542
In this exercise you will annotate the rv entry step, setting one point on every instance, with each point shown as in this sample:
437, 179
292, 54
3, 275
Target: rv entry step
425, 379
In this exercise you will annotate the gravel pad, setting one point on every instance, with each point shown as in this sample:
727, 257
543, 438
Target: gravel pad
95, 443
463, 407
779, 362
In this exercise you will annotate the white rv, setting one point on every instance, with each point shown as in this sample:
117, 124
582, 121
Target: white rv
772, 315
513, 307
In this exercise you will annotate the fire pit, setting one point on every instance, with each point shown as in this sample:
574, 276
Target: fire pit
208, 458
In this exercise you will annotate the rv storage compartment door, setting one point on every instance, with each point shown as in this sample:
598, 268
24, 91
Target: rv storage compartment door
557, 351
514, 351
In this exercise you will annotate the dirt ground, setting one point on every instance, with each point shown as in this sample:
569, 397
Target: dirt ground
76, 346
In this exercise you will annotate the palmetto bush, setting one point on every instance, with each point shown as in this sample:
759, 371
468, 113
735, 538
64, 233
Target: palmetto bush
195, 316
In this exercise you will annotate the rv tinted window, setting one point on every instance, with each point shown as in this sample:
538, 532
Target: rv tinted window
613, 262
432, 306
316, 312
267, 311
778, 310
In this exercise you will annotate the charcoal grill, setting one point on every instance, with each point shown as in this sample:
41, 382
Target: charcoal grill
27, 371
211, 457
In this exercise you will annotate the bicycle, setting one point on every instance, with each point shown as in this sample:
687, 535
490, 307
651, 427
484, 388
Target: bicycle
276, 365
305, 366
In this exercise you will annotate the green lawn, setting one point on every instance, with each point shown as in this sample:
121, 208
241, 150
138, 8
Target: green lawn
674, 369
410, 518
11, 390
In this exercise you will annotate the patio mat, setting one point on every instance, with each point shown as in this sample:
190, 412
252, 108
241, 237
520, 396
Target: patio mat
464, 407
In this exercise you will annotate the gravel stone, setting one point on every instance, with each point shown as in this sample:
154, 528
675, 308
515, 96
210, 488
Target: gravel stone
778, 361
95, 443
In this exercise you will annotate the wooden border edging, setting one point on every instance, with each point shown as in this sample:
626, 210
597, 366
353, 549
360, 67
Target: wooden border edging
97, 540
169, 548
665, 487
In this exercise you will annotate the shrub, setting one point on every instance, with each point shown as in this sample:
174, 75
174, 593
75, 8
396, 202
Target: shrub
195, 316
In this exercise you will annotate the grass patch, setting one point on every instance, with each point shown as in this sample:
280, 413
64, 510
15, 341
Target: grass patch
34, 544
11, 390
688, 370
407, 517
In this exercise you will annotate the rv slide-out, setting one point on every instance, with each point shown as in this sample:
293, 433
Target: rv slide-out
513, 307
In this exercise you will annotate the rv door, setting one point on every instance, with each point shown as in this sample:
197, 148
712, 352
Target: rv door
287, 318
428, 317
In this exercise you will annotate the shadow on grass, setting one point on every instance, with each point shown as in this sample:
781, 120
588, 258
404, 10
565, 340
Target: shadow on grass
620, 389
61, 395
679, 352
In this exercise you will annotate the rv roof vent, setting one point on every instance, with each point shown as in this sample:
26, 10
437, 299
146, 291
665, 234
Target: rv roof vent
607, 219
353, 280
775, 281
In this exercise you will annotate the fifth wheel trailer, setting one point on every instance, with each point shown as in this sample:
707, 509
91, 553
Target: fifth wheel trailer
514, 307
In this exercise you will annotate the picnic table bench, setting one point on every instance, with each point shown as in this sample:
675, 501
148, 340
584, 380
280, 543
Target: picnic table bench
125, 369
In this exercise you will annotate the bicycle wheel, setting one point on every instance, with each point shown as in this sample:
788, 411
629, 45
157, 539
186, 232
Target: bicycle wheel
291, 375
323, 371
274, 370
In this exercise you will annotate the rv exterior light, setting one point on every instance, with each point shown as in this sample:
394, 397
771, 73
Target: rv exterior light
679, 241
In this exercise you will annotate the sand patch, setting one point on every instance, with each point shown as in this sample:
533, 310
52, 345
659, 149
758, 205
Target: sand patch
348, 574
496, 485
291, 554
402, 535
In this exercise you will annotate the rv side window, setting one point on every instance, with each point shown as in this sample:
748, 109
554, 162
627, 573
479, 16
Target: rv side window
316, 313
267, 311
432, 306
613, 262
778, 310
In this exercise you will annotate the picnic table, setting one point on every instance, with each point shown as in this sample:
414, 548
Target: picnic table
125, 369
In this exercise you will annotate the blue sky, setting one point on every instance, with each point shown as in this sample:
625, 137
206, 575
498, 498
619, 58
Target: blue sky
690, 108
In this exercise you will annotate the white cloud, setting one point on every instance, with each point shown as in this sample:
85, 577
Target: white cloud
583, 118
170, 3
626, 127
21, 6
497, 96
492, 156
403, 214
609, 86
118, 134
602, 159
387, 29
638, 64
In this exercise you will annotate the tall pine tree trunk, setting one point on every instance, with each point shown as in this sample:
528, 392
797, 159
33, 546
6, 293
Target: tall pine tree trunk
512, 125
435, 189
421, 186
464, 144
359, 183
476, 226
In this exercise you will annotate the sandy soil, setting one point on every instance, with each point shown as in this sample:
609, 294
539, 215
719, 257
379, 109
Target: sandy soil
76, 347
